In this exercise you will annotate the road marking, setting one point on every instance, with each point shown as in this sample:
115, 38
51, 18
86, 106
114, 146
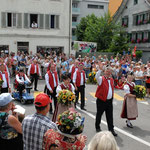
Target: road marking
118, 129
146, 103
36, 93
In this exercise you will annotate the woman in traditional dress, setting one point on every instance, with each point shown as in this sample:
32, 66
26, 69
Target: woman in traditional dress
65, 85
69, 134
129, 109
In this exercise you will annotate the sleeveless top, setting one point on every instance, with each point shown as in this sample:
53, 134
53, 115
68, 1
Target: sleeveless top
6, 131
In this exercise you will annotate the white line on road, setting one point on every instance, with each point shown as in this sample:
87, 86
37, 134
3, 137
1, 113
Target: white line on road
118, 129
146, 103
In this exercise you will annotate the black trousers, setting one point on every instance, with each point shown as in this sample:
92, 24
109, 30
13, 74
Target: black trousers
34, 78
108, 108
52, 96
81, 90
20, 88
4, 90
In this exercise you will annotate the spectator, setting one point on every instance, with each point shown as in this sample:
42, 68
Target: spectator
10, 131
34, 25
103, 141
34, 126
138, 76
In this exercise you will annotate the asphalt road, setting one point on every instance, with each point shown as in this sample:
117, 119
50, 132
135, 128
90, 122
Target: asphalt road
137, 138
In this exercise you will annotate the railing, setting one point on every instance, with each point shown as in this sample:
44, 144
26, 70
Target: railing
76, 10
74, 24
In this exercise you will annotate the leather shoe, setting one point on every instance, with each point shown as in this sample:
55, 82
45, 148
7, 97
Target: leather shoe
129, 124
35, 90
113, 133
98, 130
83, 109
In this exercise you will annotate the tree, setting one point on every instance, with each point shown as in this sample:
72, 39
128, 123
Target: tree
99, 30
119, 41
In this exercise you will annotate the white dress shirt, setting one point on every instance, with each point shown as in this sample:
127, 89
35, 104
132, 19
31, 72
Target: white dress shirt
127, 88
21, 80
35, 71
99, 81
58, 89
75, 76
4, 85
47, 81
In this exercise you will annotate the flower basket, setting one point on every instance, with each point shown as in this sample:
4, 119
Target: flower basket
70, 122
91, 78
140, 91
66, 97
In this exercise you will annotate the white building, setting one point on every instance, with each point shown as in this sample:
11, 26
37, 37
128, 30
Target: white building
52, 29
82, 8
134, 15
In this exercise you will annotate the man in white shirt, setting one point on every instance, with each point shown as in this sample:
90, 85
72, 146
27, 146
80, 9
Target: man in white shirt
35, 72
104, 94
21, 80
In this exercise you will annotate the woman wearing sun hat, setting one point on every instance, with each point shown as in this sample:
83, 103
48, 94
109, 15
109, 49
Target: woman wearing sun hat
68, 136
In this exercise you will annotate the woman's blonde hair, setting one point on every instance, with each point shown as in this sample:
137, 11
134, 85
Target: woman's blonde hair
103, 141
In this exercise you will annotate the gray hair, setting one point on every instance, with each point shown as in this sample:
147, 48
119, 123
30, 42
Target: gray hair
103, 141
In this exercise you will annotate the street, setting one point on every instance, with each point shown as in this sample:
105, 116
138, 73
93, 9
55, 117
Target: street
137, 138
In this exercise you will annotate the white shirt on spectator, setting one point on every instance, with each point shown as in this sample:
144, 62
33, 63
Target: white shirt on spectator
138, 74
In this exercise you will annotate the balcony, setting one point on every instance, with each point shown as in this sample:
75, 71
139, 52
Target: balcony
74, 38
74, 24
75, 11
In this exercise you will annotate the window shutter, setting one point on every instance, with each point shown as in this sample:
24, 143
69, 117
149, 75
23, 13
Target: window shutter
26, 21
19, 20
41, 21
3, 19
47, 21
137, 20
14, 19
149, 37
57, 22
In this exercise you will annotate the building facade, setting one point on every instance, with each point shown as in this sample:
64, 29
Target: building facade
35, 25
82, 8
134, 15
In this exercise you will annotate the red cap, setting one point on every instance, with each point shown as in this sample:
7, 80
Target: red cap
42, 100
81, 64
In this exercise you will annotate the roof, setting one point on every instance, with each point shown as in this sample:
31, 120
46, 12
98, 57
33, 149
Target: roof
120, 9
114, 5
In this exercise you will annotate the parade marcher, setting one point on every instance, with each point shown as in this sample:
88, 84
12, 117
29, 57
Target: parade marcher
68, 136
34, 126
20, 81
65, 85
73, 68
6, 80
129, 109
10, 127
104, 94
35, 72
52, 81
79, 80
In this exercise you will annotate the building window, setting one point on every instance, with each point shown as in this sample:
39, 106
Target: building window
95, 6
11, 20
135, 2
74, 5
74, 19
54, 21
125, 22
33, 20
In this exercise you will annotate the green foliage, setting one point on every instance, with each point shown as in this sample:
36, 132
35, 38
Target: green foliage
103, 31
119, 41
139, 54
